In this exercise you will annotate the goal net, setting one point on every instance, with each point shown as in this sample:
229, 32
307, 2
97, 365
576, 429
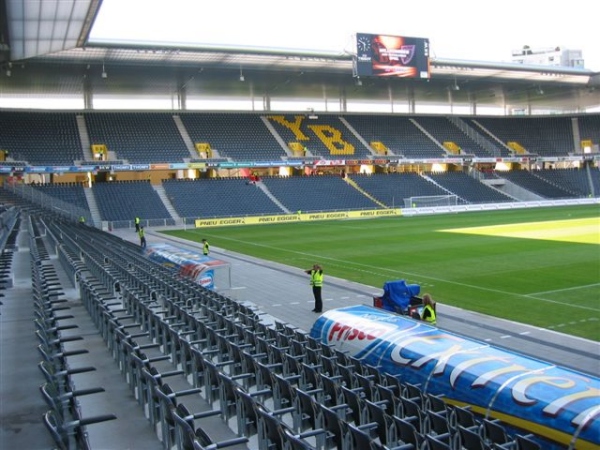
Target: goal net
428, 201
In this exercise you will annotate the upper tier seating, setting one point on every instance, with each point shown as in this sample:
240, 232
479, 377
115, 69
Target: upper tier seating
445, 131
528, 180
40, 137
128, 199
243, 137
468, 188
140, 138
218, 197
391, 189
399, 134
589, 128
317, 193
327, 136
545, 136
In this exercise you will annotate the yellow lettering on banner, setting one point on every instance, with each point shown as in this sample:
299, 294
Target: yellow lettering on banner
374, 213
283, 218
221, 222
332, 138
294, 126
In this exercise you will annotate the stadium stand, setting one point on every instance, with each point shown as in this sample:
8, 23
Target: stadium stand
576, 181
328, 138
468, 188
399, 134
536, 184
138, 137
71, 193
545, 136
206, 199
208, 363
317, 194
393, 188
242, 137
589, 128
40, 137
122, 201
445, 131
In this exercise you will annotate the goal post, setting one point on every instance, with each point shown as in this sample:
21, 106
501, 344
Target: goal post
429, 201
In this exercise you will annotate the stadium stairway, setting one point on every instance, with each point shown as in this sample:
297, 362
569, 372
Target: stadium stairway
269, 194
362, 191
186, 137
160, 190
93, 205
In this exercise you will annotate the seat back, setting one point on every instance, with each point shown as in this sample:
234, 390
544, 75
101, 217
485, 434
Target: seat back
184, 428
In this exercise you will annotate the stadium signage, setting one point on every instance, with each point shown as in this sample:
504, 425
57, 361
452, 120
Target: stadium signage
556, 403
326, 216
220, 222
380, 55
379, 213
274, 219
284, 218
6, 167
140, 166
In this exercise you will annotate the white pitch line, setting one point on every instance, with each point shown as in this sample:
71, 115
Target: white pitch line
414, 275
533, 294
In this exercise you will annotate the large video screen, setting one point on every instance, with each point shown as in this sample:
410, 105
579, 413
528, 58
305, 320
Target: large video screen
391, 56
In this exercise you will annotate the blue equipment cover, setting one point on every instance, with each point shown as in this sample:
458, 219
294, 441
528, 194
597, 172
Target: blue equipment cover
397, 294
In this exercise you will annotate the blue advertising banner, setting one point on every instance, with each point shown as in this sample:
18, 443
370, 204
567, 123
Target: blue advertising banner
558, 404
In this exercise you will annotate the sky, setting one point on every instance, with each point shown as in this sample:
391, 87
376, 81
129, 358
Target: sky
456, 29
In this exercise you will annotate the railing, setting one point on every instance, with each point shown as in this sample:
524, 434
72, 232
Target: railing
74, 213
53, 204
498, 206
7, 221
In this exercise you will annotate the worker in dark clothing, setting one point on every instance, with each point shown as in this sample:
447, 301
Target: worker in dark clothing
205, 247
142, 236
316, 281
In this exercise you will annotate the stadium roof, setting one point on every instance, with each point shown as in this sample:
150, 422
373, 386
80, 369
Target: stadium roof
55, 33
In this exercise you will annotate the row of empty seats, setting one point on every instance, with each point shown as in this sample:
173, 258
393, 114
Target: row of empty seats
273, 385
153, 137
229, 197
65, 420
123, 201
9, 228
317, 193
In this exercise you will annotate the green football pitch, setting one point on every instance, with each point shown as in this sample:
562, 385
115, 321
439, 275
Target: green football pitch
539, 266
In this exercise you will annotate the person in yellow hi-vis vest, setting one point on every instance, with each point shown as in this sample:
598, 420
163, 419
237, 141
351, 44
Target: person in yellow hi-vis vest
428, 314
142, 236
316, 281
